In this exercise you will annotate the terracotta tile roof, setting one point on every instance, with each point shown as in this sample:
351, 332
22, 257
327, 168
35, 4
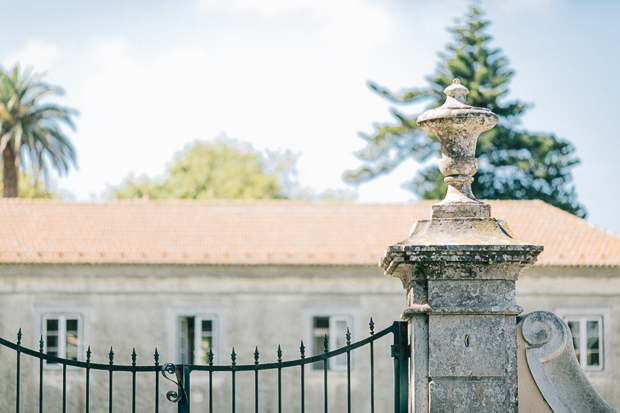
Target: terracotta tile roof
263, 232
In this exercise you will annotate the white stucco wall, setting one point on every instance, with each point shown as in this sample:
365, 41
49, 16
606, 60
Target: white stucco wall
136, 306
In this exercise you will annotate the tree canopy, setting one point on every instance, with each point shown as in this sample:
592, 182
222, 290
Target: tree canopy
224, 169
31, 126
514, 164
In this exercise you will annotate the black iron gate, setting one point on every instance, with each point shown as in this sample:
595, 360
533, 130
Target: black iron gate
180, 374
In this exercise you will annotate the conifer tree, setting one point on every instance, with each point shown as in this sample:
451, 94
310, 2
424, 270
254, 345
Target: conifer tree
514, 164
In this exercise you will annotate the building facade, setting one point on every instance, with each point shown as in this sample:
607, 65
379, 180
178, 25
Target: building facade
186, 277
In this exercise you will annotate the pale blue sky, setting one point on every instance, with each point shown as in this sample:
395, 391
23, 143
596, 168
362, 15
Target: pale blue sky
149, 77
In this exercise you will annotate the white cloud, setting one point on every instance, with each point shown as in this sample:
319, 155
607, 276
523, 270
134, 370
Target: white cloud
352, 24
38, 54
136, 113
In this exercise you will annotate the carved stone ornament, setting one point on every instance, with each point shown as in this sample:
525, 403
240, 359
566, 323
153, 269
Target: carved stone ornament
554, 368
461, 231
457, 125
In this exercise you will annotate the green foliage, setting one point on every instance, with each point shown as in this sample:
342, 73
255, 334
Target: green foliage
30, 125
514, 164
222, 169
226, 169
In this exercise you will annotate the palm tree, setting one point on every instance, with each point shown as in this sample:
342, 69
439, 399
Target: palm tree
31, 127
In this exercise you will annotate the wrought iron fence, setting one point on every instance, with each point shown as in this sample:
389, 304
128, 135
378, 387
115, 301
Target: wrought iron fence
180, 374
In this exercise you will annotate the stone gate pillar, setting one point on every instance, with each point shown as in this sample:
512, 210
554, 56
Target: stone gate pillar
459, 269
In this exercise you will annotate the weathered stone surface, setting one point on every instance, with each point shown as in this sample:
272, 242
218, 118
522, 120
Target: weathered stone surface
459, 269
472, 210
467, 346
553, 365
419, 362
473, 294
457, 125
468, 396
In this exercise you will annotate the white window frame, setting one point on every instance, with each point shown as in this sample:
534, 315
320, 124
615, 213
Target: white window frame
198, 319
583, 340
218, 320
603, 315
335, 341
62, 331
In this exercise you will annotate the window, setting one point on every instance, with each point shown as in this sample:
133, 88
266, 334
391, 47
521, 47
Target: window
587, 332
196, 338
63, 336
335, 328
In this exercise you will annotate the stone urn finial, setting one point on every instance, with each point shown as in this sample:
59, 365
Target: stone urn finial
457, 125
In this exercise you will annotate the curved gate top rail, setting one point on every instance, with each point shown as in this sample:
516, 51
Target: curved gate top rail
400, 351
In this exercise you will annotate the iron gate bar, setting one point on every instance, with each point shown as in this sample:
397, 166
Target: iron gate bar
348, 371
279, 379
110, 391
308, 360
64, 388
325, 361
233, 356
88, 353
302, 350
156, 356
372, 367
400, 353
58, 360
256, 354
19, 342
40, 373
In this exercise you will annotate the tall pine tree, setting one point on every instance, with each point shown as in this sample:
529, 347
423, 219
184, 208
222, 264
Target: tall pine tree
514, 164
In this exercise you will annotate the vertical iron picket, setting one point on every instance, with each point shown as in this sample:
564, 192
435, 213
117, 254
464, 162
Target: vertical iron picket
64, 387
326, 348
41, 375
210, 356
111, 356
400, 352
302, 350
134, 356
348, 335
256, 354
88, 353
372, 367
233, 357
184, 403
279, 379
19, 342
156, 357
